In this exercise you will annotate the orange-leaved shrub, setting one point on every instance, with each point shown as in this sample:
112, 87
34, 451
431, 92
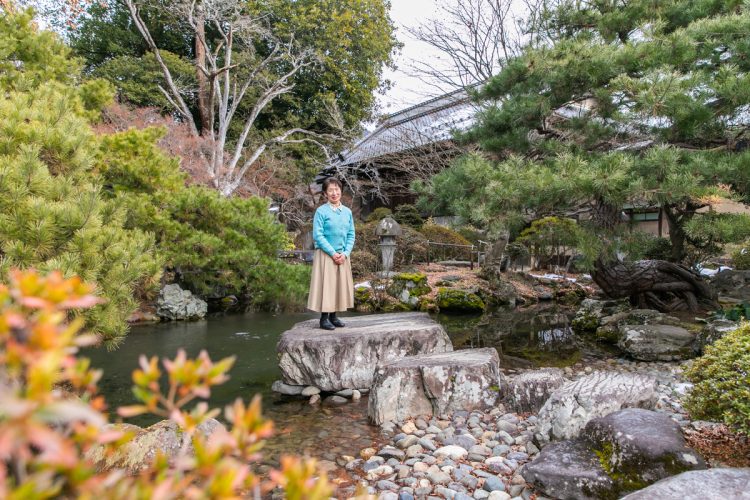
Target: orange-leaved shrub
51, 415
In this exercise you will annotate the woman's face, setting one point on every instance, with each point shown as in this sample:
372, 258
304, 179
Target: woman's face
333, 193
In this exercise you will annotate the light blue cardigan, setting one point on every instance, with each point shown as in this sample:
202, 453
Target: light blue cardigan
333, 230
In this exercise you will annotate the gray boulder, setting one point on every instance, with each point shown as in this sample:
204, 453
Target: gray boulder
657, 342
528, 391
574, 404
721, 483
591, 312
732, 285
163, 437
346, 358
174, 303
641, 446
435, 384
609, 329
621, 452
569, 470
286, 389
713, 331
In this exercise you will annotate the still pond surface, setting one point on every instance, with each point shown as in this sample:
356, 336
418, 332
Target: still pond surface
537, 336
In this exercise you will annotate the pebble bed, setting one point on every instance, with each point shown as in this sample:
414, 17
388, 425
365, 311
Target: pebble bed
477, 455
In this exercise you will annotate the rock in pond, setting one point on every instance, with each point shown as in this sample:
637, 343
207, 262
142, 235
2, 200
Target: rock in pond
435, 384
458, 301
346, 358
574, 404
721, 483
657, 342
138, 453
174, 303
528, 391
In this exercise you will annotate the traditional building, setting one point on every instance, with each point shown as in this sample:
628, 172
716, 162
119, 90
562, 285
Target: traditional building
414, 143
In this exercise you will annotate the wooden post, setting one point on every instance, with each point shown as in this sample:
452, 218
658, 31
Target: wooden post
471, 257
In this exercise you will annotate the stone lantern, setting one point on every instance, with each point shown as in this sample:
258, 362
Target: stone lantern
387, 230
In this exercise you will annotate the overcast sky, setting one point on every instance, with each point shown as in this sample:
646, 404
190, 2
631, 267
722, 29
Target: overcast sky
407, 90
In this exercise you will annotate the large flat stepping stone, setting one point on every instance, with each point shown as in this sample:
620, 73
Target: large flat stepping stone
699, 485
435, 384
346, 358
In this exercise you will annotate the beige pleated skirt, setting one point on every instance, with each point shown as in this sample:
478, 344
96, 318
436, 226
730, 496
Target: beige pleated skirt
331, 286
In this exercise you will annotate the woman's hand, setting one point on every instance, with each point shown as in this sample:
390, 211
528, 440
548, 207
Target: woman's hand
339, 258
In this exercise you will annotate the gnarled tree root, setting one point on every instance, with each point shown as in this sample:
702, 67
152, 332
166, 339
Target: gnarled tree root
655, 284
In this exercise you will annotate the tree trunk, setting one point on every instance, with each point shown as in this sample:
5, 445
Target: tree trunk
655, 284
676, 234
204, 103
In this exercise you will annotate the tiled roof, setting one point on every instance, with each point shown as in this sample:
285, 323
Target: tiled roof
426, 123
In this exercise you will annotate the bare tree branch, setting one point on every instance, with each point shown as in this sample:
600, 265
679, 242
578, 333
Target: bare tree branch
225, 83
474, 38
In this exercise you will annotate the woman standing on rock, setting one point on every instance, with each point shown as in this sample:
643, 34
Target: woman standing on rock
331, 284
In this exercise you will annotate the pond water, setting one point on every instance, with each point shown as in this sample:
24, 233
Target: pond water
538, 336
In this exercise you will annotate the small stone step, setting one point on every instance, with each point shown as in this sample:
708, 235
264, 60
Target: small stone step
436, 384
346, 358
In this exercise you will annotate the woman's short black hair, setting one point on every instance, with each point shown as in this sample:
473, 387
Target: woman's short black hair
332, 180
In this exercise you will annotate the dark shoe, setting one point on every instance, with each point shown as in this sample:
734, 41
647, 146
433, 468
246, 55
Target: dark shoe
325, 323
335, 321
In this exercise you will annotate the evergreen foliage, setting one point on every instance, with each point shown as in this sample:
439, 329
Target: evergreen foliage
722, 381
138, 78
52, 214
634, 101
217, 246
550, 240
409, 215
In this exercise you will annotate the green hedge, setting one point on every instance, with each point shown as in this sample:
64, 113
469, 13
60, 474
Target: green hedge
722, 381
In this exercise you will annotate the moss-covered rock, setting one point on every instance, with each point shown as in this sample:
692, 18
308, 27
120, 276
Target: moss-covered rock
364, 299
409, 287
459, 301
499, 290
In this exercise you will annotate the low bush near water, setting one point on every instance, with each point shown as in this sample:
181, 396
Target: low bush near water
45, 433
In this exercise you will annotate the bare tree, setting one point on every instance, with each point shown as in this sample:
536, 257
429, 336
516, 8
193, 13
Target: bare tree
232, 71
474, 38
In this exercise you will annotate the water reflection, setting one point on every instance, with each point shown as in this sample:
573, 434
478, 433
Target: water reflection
536, 336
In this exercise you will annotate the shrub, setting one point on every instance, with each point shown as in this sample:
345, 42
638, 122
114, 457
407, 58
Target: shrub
52, 214
722, 381
440, 234
378, 214
408, 215
217, 246
48, 433
741, 257
363, 263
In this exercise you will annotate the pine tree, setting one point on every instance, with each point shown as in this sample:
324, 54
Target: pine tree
630, 101
216, 246
52, 214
